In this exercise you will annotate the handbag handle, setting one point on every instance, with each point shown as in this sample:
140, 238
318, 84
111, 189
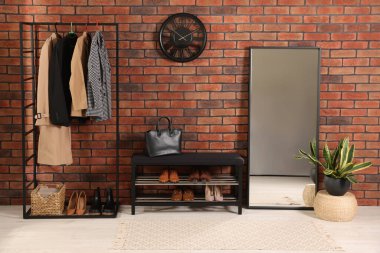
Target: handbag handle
158, 124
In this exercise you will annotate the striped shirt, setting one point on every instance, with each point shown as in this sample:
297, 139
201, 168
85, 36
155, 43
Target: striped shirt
99, 80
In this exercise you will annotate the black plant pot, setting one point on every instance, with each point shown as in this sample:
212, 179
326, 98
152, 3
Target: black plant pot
313, 175
336, 187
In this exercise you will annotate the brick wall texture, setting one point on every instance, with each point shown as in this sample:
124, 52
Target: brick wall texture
208, 97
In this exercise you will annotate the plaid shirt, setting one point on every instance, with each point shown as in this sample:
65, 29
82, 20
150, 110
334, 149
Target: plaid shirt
99, 80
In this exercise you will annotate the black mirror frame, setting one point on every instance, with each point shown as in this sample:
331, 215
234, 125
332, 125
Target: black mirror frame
249, 127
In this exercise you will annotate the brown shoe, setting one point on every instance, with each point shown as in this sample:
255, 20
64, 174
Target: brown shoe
81, 204
188, 195
164, 177
72, 206
173, 176
205, 176
177, 195
194, 176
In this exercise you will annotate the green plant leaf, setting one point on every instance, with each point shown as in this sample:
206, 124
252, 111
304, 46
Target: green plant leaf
335, 155
344, 153
328, 172
352, 179
347, 169
355, 167
347, 166
311, 158
351, 153
327, 156
334, 158
313, 147
361, 166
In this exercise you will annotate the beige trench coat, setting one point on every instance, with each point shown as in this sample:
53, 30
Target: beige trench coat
54, 145
79, 76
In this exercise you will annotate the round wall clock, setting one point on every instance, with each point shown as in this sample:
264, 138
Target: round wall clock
182, 37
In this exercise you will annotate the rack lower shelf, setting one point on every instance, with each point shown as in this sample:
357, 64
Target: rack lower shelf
183, 180
28, 215
166, 201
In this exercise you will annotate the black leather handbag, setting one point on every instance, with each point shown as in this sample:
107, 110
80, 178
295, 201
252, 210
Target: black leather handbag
163, 141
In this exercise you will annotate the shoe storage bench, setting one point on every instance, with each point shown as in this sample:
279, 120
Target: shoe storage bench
188, 159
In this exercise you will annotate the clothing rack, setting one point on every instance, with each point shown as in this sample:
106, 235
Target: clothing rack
31, 159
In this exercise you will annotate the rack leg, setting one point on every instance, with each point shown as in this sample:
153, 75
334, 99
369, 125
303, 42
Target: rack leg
239, 170
133, 190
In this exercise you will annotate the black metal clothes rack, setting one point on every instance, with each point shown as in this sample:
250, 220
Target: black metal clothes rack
31, 182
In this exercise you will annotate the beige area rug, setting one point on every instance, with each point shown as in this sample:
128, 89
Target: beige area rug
218, 233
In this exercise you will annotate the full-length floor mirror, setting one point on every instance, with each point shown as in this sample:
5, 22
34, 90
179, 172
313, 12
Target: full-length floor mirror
283, 117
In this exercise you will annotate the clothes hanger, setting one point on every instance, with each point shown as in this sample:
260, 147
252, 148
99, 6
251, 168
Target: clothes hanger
56, 30
71, 33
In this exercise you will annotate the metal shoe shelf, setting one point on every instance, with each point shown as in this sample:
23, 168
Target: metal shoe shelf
199, 201
29, 76
233, 180
183, 181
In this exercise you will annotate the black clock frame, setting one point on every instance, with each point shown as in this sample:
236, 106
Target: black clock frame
202, 29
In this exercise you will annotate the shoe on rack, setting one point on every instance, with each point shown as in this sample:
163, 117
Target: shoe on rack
109, 206
177, 195
82, 203
194, 176
209, 193
173, 176
96, 203
164, 177
218, 193
188, 195
72, 206
205, 176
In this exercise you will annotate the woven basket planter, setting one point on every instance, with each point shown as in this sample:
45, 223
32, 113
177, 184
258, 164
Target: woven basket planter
335, 208
309, 195
48, 205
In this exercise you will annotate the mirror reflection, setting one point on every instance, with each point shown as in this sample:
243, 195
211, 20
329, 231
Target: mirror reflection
283, 119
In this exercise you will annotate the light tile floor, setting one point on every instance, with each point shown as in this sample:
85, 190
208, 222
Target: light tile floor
362, 235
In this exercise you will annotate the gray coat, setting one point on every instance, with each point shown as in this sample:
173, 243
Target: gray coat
99, 80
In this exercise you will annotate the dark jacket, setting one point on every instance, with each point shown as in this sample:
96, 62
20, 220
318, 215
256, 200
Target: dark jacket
59, 78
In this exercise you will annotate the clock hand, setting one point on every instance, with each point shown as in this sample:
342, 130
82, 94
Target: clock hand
189, 34
177, 34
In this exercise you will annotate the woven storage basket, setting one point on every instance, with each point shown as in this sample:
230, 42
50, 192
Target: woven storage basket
49, 205
335, 208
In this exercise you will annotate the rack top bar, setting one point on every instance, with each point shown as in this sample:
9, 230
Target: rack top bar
67, 23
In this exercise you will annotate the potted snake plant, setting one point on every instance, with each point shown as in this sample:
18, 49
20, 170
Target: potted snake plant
338, 165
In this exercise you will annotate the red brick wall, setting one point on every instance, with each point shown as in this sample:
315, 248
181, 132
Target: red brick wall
206, 97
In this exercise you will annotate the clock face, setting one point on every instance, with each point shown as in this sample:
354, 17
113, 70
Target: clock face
182, 37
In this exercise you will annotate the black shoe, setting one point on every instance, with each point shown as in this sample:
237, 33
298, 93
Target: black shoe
109, 206
96, 204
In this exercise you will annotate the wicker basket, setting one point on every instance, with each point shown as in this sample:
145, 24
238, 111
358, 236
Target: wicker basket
49, 205
335, 208
309, 195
